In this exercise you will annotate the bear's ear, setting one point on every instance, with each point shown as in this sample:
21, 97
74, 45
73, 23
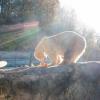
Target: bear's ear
44, 38
43, 41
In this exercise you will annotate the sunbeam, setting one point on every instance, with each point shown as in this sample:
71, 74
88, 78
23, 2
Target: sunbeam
87, 11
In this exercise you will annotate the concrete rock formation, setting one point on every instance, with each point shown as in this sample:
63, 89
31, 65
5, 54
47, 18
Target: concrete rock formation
80, 81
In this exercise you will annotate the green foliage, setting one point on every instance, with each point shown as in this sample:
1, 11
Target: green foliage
13, 11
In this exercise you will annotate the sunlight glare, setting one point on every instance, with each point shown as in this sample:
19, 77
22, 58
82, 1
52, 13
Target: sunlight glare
87, 11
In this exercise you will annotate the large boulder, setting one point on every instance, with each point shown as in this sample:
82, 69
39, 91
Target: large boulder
79, 81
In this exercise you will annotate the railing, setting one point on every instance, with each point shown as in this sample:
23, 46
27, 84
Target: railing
15, 59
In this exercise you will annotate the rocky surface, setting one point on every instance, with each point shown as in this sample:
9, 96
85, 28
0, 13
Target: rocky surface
79, 81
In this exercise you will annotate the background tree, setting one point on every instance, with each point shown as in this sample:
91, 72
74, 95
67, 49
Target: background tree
45, 11
6, 7
42, 10
92, 50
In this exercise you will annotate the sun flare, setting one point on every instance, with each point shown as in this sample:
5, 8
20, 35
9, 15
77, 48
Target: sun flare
87, 11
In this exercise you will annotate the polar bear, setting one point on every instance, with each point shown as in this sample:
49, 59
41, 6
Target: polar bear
63, 48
